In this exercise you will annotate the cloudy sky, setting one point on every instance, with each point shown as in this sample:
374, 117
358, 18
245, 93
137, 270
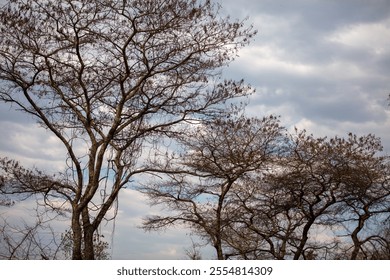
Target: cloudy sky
323, 65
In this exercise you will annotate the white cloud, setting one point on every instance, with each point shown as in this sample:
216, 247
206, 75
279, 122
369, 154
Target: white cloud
33, 145
272, 58
370, 37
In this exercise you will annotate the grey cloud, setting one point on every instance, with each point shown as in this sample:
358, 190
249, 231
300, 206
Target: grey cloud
321, 14
300, 26
11, 113
343, 83
345, 108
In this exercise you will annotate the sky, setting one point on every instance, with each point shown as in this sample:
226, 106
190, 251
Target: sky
322, 65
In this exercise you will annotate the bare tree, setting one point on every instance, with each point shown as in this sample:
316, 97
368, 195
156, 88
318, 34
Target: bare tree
100, 246
365, 193
266, 222
319, 184
36, 239
216, 157
308, 183
379, 249
193, 252
31, 238
108, 78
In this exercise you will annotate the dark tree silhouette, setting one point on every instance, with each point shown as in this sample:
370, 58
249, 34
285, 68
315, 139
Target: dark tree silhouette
109, 79
216, 157
338, 187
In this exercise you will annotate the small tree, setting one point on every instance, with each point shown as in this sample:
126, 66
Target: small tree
108, 79
22, 238
100, 246
193, 252
25, 240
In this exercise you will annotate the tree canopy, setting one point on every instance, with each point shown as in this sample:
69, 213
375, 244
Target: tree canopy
108, 78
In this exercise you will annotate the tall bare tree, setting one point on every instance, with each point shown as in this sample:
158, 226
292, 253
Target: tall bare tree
107, 78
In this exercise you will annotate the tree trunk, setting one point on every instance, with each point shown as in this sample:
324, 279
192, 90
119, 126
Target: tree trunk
77, 237
88, 250
218, 248
354, 235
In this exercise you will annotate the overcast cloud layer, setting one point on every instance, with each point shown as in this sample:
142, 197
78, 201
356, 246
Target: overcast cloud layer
321, 65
